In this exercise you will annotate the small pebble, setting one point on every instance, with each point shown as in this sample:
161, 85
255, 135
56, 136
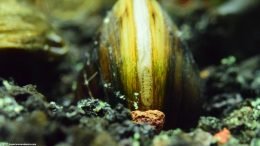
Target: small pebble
152, 117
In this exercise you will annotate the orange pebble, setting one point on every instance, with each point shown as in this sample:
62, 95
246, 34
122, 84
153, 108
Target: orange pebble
152, 117
223, 136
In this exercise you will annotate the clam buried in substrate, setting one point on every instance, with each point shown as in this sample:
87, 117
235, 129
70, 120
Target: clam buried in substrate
29, 47
140, 57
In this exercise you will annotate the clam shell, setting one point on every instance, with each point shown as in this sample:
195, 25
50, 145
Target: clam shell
140, 55
24, 28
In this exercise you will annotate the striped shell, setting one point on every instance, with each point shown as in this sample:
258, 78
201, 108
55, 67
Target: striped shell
141, 56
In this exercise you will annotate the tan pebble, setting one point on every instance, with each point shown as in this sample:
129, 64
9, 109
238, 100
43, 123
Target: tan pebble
151, 117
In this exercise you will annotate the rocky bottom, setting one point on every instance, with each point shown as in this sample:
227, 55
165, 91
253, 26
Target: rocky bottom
231, 115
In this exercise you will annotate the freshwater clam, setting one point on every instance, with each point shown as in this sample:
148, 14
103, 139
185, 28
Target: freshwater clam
140, 55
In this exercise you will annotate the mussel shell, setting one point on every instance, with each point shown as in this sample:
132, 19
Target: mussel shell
169, 81
25, 28
30, 49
